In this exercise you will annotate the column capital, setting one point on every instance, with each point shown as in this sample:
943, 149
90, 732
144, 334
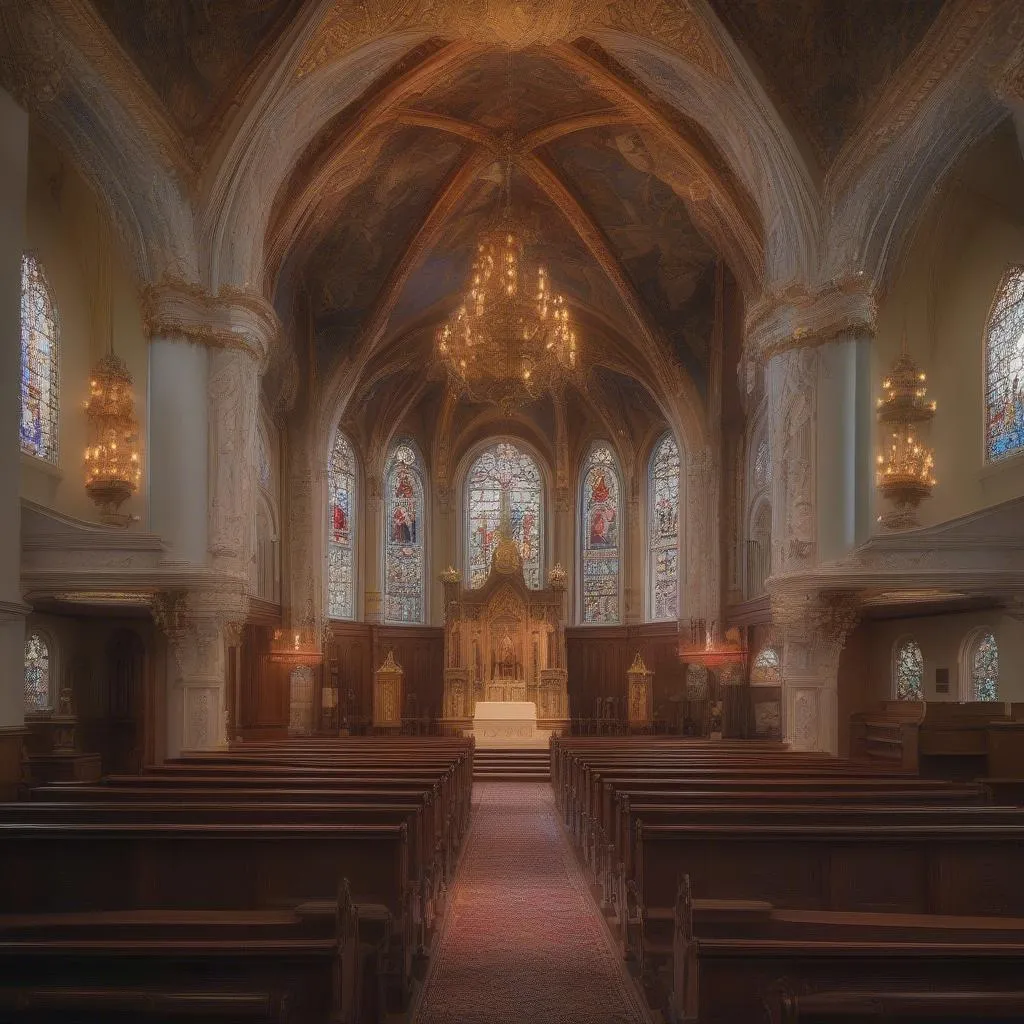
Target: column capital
232, 318
800, 318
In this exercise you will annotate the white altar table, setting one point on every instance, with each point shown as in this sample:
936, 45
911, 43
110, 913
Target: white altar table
508, 723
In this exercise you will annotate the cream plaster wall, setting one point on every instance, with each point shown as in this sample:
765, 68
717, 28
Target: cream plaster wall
941, 638
942, 298
67, 231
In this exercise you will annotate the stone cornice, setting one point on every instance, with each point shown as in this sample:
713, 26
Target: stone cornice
800, 319
231, 319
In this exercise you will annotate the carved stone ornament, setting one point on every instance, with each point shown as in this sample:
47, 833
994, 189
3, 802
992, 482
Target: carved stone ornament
348, 25
800, 319
32, 60
230, 319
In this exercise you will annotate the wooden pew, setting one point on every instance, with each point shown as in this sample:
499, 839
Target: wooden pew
941, 869
300, 965
86, 867
843, 1007
699, 920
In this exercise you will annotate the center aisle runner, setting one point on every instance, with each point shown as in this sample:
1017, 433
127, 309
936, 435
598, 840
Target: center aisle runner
523, 939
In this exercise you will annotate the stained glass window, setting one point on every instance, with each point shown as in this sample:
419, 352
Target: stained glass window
37, 673
762, 463
39, 374
663, 529
909, 670
1004, 369
766, 669
985, 668
404, 545
341, 494
504, 467
600, 537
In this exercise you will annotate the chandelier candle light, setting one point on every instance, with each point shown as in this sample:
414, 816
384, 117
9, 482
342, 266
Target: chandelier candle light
512, 336
905, 466
112, 464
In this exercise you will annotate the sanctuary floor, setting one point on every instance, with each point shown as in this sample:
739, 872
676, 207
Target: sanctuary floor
523, 938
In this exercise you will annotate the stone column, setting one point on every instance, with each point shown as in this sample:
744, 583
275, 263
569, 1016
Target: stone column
370, 538
701, 589
816, 351
13, 176
198, 626
811, 629
208, 355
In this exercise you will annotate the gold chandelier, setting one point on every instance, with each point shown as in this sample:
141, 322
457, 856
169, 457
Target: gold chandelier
112, 463
512, 337
905, 474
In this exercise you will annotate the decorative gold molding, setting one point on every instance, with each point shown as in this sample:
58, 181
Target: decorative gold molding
799, 319
233, 318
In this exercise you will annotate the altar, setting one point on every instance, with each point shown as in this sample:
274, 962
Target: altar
504, 651
508, 723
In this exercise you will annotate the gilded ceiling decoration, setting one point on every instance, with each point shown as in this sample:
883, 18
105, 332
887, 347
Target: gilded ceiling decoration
828, 61
192, 52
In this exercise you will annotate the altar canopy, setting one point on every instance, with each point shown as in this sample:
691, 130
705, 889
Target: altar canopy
503, 641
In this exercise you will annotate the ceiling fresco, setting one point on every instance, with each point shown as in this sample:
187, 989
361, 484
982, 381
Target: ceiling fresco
192, 51
667, 260
828, 61
542, 90
372, 228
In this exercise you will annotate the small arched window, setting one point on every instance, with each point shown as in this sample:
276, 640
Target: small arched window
504, 467
983, 661
766, 668
40, 391
38, 694
908, 671
600, 537
341, 498
1004, 369
404, 540
663, 529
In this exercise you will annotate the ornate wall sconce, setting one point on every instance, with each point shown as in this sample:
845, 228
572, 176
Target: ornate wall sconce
905, 474
113, 466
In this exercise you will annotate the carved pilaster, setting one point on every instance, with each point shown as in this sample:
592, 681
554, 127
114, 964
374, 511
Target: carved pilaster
793, 384
811, 629
702, 597
198, 626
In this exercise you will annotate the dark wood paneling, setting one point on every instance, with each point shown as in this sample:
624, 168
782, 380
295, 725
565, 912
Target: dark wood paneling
348, 665
599, 657
420, 652
264, 684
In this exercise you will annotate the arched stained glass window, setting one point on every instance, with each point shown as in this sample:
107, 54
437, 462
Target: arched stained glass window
908, 670
404, 545
40, 391
766, 669
341, 503
1004, 369
37, 673
600, 537
762, 463
504, 466
663, 529
985, 668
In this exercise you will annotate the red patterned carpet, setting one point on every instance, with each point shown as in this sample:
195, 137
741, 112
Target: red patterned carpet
523, 939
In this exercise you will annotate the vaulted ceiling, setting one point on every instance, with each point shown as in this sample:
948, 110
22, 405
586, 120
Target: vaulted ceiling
374, 226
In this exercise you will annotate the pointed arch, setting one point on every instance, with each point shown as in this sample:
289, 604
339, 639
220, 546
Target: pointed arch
663, 529
504, 464
405, 537
601, 530
342, 488
1004, 369
40, 370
